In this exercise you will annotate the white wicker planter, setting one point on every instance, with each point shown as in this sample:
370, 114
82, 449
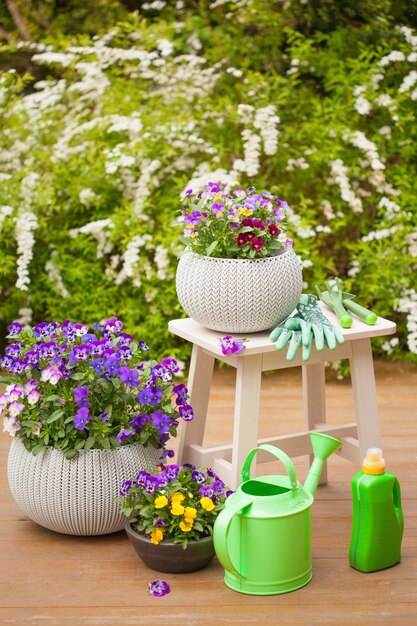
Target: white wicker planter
75, 496
239, 295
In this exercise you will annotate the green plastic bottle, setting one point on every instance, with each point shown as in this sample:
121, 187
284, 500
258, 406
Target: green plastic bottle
377, 522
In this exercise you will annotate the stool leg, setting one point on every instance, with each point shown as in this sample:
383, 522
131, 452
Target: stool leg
246, 417
364, 395
199, 385
314, 404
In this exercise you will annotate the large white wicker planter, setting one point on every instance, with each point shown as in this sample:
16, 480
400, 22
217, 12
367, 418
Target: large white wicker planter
239, 295
75, 496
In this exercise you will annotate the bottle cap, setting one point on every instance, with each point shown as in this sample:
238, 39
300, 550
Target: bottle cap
373, 463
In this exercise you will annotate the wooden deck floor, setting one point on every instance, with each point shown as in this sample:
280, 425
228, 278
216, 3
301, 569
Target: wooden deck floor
49, 579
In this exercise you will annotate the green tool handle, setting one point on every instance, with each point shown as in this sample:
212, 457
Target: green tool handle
279, 454
342, 315
364, 314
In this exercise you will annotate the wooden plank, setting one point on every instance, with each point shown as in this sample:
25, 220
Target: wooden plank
48, 578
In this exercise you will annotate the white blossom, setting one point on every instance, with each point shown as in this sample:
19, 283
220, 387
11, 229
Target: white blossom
409, 81
300, 163
383, 233
5, 210
143, 190
340, 178
99, 229
131, 258
362, 105
54, 275
87, 197
26, 224
252, 151
393, 56
408, 304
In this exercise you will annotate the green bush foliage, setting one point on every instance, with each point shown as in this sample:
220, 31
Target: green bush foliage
314, 101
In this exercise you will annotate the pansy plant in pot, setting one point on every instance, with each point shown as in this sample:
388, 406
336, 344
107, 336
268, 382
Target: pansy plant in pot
170, 515
85, 395
239, 273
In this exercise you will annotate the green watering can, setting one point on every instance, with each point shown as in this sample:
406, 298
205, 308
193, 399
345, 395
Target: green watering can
263, 535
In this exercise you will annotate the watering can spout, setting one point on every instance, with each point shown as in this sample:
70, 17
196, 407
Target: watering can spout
323, 446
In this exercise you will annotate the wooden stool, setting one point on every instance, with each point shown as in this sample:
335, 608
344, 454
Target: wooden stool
261, 355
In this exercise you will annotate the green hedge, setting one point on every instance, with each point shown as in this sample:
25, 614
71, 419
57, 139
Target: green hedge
315, 101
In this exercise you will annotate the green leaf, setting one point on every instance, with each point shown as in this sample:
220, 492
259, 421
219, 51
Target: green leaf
105, 443
51, 398
80, 444
211, 247
78, 376
37, 449
89, 443
46, 439
55, 416
70, 454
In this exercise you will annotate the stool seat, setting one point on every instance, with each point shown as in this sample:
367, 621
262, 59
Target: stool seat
260, 355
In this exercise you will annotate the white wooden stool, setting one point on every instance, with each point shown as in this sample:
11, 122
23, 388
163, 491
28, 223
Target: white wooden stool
261, 355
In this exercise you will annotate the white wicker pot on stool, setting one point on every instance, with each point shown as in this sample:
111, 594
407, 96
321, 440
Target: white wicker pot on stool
239, 295
76, 496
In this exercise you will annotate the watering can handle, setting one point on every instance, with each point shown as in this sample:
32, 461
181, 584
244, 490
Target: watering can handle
284, 458
220, 532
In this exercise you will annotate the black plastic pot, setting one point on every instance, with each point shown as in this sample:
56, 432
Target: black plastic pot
170, 557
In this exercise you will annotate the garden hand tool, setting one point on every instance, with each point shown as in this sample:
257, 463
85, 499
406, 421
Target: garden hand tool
263, 535
339, 301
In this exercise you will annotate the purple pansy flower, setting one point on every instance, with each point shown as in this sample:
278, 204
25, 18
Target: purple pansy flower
124, 353
96, 347
206, 491
141, 478
125, 487
81, 418
29, 385
81, 396
139, 421
13, 351
160, 421
150, 395
112, 365
190, 465
229, 344
218, 487
159, 588
15, 329
167, 454
172, 471
151, 484
31, 358
97, 365
124, 340
198, 477
48, 350
124, 434
105, 416
143, 346
128, 376
18, 367
7, 362
88, 338
79, 353
41, 330
186, 412
159, 523
157, 371
163, 479
170, 364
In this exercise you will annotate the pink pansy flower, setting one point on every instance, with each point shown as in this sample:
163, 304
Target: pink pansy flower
15, 393
29, 386
36, 430
33, 396
55, 377
11, 425
47, 373
16, 408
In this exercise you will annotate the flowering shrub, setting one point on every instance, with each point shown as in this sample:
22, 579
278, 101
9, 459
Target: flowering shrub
76, 388
236, 225
97, 145
177, 504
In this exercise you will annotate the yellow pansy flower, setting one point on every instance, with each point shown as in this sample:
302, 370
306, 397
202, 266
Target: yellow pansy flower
160, 502
186, 526
207, 504
177, 497
247, 212
190, 512
177, 508
156, 536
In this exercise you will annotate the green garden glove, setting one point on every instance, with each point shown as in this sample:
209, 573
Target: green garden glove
290, 332
306, 325
313, 321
